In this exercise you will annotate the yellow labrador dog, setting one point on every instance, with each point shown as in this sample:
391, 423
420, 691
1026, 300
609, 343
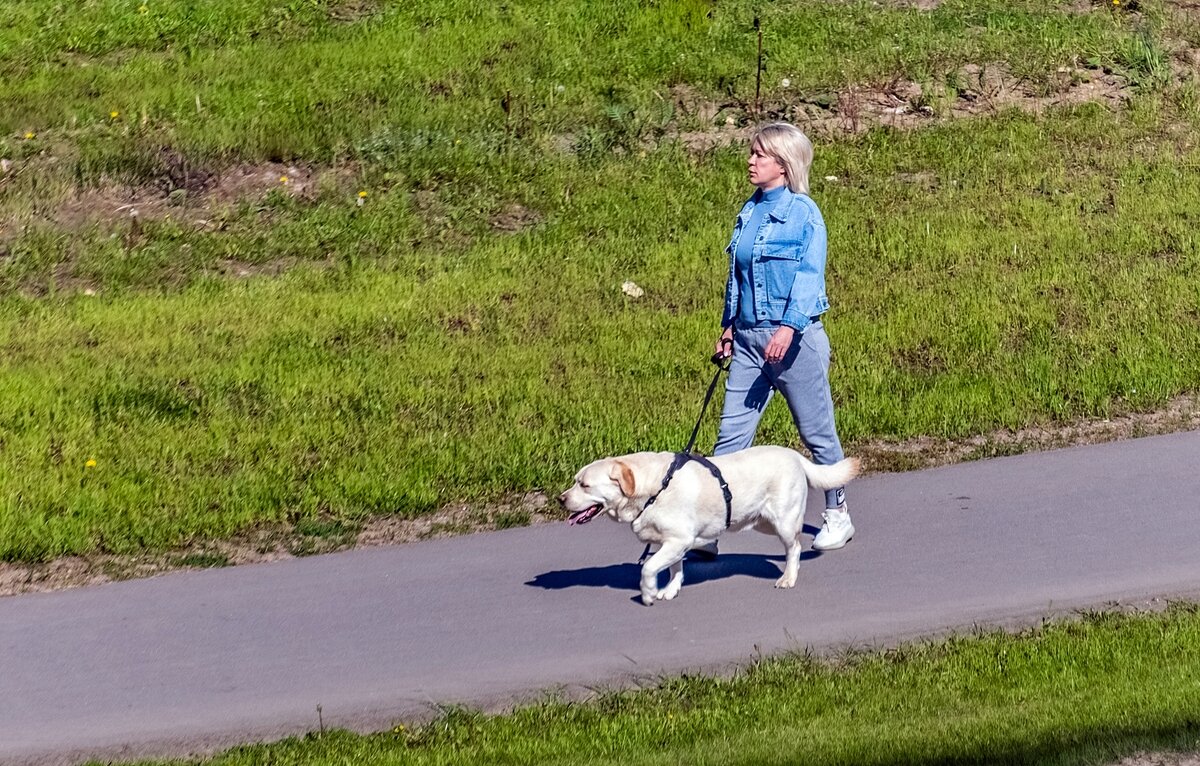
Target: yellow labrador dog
768, 488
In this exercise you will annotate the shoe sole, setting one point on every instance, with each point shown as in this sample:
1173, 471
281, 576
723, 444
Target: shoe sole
839, 546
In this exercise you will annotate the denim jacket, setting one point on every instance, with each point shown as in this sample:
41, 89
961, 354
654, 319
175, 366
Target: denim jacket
787, 264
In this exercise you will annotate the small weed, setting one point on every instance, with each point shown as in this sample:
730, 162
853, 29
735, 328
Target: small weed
321, 535
993, 449
511, 519
325, 529
1145, 62
204, 560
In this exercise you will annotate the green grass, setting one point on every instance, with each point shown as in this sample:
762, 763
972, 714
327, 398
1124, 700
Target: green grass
991, 273
263, 80
1063, 250
1088, 691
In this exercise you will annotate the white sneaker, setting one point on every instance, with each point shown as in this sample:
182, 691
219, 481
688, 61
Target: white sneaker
835, 532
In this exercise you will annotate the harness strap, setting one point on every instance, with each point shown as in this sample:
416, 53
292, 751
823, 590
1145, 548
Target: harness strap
681, 459
716, 472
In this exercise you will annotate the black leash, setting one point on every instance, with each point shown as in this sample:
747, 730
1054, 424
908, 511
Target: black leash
722, 360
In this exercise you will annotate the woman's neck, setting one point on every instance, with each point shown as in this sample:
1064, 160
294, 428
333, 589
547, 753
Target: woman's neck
772, 192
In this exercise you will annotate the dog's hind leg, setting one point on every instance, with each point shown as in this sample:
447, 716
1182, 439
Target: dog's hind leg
669, 555
789, 535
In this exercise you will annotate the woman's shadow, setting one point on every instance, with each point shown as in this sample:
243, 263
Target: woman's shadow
628, 576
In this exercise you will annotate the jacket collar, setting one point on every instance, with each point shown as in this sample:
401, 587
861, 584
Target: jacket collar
780, 212
783, 207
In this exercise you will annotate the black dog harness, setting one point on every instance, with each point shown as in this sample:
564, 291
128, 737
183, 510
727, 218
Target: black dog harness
681, 459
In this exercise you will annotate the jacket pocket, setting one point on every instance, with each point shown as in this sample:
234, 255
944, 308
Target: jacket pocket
780, 264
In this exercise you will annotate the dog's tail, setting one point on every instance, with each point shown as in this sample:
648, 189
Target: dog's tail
830, 476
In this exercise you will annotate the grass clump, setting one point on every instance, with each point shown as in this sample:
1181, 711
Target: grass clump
204, 560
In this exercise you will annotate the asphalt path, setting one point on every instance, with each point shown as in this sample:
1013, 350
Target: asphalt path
199, 660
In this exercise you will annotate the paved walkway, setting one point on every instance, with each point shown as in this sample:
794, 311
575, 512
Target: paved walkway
205, 659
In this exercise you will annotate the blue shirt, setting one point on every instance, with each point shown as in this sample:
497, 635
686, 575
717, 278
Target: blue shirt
763, 202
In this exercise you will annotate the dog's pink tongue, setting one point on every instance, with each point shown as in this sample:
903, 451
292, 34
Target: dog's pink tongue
580, 517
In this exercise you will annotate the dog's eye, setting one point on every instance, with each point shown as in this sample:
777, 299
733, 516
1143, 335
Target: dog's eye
583, 485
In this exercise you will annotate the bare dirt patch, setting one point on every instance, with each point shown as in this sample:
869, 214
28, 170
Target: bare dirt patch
1161, 759
536, 507
978, 89
190, 193
1076, 6
514, 217
349, 11
38, 190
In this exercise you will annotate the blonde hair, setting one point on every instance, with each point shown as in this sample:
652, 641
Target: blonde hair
790, 148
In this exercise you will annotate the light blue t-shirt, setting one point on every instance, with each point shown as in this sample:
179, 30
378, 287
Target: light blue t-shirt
764, 202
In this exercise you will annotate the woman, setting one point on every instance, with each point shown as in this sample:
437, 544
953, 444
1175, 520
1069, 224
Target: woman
774, 300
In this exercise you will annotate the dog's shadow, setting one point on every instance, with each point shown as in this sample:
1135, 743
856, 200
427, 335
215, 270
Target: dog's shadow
697, 570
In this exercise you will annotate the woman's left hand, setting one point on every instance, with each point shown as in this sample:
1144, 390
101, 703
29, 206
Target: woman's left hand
779, 344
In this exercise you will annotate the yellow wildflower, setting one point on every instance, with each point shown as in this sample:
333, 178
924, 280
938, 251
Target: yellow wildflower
114, 114
91, 463
283, 179
29, 134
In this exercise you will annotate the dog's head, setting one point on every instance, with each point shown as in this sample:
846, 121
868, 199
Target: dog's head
605, 486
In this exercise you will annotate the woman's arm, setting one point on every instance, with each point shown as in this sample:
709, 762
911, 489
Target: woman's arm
808, 286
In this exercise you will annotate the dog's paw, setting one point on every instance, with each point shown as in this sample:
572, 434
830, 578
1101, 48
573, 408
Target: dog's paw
786, 582
648, 598
668, 593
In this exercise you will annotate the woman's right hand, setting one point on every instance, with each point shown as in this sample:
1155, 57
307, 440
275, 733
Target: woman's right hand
724, 347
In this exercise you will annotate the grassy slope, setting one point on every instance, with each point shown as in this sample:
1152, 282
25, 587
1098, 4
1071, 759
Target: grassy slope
425, 358
1084, 692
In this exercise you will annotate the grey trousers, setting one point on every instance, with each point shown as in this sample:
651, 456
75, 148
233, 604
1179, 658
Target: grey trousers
802, 376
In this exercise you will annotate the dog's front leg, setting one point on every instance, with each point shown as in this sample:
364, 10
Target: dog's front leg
674, 583
669, 555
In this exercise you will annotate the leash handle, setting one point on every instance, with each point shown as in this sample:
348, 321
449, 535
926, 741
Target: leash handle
724, 357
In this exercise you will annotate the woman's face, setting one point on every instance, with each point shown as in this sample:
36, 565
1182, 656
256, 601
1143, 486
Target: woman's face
764, 170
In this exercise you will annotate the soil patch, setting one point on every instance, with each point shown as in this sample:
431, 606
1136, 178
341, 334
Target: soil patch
536, 507
902, 104
1161, 759
193, 194
515, 217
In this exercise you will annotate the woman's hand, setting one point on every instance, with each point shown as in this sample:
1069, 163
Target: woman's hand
724, 348
779, 344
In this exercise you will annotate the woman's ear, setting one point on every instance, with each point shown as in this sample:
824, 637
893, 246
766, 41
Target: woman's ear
623, 476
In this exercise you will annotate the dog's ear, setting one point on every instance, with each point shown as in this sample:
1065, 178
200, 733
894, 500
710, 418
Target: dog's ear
623, 476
